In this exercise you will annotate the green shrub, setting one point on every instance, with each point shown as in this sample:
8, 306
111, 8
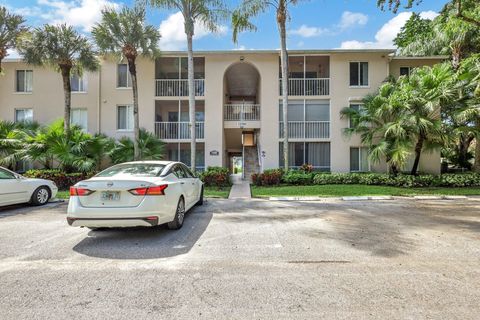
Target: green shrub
298, 177
405, 181
63, 180
216, 177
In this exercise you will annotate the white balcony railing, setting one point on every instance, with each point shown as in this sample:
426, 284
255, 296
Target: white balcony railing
241, 112
307, 87
307, 129
178, 130
177, 87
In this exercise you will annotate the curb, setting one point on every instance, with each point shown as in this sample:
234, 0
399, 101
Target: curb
374, 198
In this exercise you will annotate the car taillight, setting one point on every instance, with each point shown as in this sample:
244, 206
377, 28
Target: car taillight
150, 191
80, 192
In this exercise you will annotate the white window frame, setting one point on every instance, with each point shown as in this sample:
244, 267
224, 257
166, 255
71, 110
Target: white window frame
360, 106
84, 128
129, 121
25, 81
81, 80
359, 78
21, 109
360, 159
129, 77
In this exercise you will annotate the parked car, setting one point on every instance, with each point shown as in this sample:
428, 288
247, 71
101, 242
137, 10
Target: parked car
138, 193
15, 188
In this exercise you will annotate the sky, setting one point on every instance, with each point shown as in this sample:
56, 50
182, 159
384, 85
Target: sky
314, 24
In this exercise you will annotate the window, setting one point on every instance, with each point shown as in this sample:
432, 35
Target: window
78, 83
315, 153
359, 159
4, 174
357, 107
125, 118
79, 117
179, 172
24, 81
23, 115
358, 74
123, 76
405, 71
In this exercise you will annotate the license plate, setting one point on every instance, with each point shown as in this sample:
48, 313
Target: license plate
110, 195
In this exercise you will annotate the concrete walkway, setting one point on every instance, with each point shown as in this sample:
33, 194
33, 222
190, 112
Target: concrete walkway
240, 188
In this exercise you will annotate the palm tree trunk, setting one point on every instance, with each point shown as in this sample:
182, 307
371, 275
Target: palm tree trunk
136, 122
281, 19
3, 54
476, 166
191, 99
67, 91
464, 143
418, 153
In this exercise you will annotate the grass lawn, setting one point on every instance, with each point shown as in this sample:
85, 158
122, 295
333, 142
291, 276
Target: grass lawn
209, 192
356, 190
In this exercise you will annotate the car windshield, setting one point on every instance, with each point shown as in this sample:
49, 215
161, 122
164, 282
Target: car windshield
133, 170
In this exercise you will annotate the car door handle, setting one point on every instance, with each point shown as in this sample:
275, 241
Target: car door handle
182, 182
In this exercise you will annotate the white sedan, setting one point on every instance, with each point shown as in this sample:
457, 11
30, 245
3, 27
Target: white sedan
139, 193
15, 188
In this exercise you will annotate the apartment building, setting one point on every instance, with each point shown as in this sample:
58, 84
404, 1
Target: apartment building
238, 104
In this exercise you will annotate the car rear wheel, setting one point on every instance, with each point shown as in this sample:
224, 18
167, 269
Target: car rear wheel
40, 196
177, 222
200, 201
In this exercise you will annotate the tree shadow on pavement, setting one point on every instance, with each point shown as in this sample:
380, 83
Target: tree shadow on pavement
146, 243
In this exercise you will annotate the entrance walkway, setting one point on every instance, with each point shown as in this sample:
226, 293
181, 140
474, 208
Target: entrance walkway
240, 188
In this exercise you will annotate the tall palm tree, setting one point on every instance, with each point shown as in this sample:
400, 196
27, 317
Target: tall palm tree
241, 21
209, 13
11, 28
424, 93
125, 34
64, 49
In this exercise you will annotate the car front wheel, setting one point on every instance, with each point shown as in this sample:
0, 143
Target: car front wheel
177, 222
40, 196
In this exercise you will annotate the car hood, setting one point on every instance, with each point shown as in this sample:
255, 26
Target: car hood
38, 181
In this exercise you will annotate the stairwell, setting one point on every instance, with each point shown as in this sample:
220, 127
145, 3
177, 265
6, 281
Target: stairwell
250, 158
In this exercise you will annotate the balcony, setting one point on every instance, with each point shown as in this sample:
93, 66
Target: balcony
178, 130
178, 87
241, 112
307, 86
307, 130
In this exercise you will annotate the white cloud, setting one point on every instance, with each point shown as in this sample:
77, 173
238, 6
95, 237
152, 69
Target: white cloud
352, 19
13, 54
173, 34
387, 33
307, 32
347, 21
77, 13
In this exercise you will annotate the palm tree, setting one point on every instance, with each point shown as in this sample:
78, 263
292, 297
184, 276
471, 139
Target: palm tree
241, 21
64, 49
11, 28
209, 13
374, 123
424, 93
151, 148
125, 34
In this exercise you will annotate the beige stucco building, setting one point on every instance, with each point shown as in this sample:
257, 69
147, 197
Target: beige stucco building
238, 104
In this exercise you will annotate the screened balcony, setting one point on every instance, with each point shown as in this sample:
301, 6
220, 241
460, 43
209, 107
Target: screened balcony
316, 154
172, 120
171, 77
308, 76
308, 119
181, 152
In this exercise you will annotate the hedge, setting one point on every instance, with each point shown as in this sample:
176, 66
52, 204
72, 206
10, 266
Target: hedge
63, 180
301, 177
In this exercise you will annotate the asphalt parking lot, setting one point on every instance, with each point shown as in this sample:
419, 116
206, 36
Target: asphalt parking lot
254, 259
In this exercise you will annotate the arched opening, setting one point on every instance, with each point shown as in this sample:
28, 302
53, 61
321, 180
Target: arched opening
241, 116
